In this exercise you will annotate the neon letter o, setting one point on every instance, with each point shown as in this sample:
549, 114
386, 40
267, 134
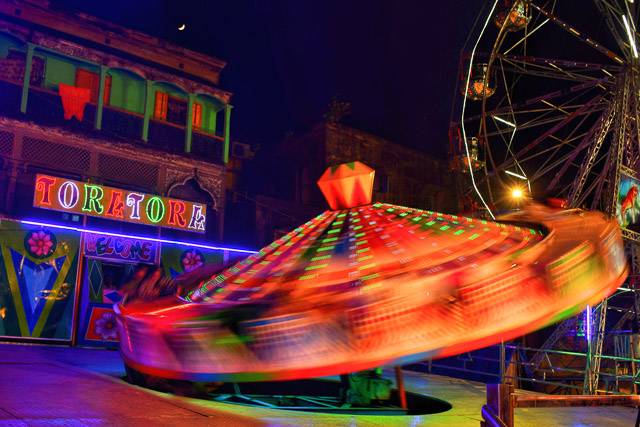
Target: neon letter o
155, 209
68, 195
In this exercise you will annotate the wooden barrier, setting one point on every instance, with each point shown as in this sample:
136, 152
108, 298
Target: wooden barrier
501, 401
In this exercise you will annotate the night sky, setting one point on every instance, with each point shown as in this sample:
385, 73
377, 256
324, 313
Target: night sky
395, 62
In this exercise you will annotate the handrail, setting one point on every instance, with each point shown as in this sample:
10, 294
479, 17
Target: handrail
605, 375
501, 401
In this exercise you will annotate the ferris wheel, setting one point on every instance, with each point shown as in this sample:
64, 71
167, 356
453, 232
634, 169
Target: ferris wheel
547, 104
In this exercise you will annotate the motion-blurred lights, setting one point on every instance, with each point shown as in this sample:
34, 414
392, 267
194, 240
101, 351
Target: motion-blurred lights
632, 41
182, 27
516, 175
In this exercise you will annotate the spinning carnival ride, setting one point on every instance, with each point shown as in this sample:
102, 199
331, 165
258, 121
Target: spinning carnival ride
364, 285
552, 90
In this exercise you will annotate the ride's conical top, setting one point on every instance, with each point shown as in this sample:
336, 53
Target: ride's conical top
347, 185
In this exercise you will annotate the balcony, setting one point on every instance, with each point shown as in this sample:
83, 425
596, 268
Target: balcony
45, 106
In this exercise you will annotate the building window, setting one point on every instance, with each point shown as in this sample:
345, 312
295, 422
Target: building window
91, 81
160, 110
196, 120
174, 110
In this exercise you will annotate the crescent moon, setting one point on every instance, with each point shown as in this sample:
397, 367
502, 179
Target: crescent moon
182, 27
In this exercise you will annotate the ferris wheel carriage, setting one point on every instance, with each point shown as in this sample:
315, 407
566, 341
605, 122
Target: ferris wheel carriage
477, 80
465, 155
513, 15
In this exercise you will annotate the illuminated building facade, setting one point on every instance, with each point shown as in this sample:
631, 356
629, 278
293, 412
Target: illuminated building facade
118, 143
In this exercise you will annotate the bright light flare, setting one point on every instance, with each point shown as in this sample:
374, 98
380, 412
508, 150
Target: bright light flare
517, 194
632, 40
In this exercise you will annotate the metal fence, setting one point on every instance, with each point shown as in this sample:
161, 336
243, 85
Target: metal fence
552, 370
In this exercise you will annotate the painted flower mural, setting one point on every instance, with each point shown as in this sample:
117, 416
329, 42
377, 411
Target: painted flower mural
40, 243
191, 258
106, 326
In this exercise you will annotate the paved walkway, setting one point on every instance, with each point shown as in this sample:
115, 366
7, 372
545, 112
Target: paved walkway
48, 385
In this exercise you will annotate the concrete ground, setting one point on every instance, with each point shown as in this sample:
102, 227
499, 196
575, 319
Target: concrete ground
50, 385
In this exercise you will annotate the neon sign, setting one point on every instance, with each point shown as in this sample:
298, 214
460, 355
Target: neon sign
83, 198
120, 248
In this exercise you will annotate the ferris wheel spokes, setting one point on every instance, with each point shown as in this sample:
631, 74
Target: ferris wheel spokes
576, 33
541, 138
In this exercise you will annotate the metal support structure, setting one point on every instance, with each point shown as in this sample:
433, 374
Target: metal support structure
611, 12
592, 372
616, 152
557, 334
400, 383
601, 129
502, 362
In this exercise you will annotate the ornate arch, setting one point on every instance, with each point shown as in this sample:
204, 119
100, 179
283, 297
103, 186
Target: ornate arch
118, 67
176, 178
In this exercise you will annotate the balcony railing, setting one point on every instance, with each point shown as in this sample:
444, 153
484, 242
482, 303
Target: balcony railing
207, 146
166, 136
46, 107
122, 123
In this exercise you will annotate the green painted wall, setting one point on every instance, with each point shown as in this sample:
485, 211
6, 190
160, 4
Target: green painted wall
210, 108
58, 70
209, 119
127, 91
